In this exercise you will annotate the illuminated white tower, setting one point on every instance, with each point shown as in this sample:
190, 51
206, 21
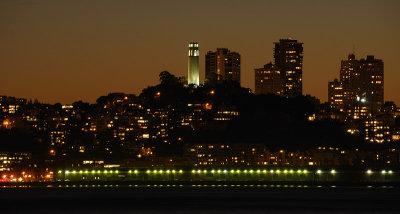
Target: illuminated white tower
193, 64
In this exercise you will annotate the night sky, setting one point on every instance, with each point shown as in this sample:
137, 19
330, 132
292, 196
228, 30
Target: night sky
64, 51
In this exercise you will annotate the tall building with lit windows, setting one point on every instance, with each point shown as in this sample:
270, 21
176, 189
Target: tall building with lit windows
350, 78
268, 80
224, 63
193, 64
359, 96
288, 54
335, 94
361, 82
371, 71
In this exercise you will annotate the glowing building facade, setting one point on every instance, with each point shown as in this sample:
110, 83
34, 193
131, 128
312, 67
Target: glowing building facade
224, 63
268, 80
335, 94
359, 96
350, 79
288, 54
361, 81
371, 70
193, 64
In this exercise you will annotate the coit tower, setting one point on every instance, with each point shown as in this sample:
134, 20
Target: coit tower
193, 63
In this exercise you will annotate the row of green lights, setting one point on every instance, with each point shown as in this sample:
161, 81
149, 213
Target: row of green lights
320, 171
87, 172
116, 171
164, 171
219, 171
238, 171
193, 185
291, 171
382, 172
368, 171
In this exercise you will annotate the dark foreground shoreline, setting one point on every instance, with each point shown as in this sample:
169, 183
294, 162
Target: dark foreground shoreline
202, 199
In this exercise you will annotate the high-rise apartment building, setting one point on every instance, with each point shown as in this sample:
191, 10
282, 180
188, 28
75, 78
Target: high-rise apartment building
193, 64
335, 94
361, 81
350, 78
288, 54
224, 63
268, 80
359, 96
371, 71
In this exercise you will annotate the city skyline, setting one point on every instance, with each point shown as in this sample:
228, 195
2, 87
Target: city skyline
64, 59
199, 106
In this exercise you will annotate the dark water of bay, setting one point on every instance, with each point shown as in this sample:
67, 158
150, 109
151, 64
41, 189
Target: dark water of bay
233, 200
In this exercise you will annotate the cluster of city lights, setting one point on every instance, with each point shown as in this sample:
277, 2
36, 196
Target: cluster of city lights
16, 177
11, 178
